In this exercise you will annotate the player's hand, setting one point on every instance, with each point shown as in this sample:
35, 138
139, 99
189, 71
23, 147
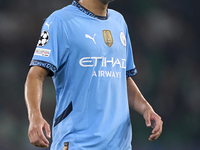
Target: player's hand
153, 120
36, 134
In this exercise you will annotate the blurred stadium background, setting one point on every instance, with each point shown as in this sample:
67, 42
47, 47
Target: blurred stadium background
165, 36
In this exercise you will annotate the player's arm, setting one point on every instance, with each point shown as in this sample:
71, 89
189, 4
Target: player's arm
33, 96
139, 104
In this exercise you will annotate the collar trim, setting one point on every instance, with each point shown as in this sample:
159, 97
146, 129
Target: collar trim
87, 12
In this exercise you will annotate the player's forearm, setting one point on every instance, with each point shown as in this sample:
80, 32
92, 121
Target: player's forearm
33, 94
135, 97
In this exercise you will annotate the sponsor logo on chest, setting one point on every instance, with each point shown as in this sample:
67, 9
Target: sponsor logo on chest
104, 62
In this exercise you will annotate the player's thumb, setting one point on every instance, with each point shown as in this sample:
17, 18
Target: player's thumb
147, 119
47, 130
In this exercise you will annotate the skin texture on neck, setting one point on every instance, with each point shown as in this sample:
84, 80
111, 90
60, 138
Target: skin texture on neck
97, 7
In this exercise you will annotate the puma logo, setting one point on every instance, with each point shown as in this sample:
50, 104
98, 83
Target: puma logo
92, 38
48, 24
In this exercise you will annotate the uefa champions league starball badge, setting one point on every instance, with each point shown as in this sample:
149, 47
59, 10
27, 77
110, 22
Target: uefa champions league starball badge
44, 38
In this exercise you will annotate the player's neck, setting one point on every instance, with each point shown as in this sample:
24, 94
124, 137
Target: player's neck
97, 7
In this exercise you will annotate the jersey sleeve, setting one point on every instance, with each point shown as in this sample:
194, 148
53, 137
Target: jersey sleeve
130, 66
52, 45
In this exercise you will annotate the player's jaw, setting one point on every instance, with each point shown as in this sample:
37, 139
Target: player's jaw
106, 1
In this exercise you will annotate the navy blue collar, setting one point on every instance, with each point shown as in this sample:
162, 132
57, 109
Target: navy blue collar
87, 12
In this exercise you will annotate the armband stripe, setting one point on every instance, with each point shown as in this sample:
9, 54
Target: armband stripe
44, 64
131, 72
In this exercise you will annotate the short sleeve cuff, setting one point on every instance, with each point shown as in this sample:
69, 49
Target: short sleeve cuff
131, 72
44, 64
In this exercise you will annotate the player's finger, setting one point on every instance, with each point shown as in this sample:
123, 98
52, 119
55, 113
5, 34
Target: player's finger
47, 130
41, 136
155, 135
32, 135
147, 119
36, 141
158, 126
40, 143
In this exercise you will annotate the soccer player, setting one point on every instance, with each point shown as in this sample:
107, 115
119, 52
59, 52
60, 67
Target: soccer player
86, 49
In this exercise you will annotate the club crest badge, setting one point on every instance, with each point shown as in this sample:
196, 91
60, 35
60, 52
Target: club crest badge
123, 39
108, 37
44, 38
66, 146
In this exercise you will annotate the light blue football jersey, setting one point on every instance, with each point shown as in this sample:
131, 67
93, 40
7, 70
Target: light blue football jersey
89, 58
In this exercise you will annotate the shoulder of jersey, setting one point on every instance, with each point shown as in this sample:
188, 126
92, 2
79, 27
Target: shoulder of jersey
64, 13
115, 14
